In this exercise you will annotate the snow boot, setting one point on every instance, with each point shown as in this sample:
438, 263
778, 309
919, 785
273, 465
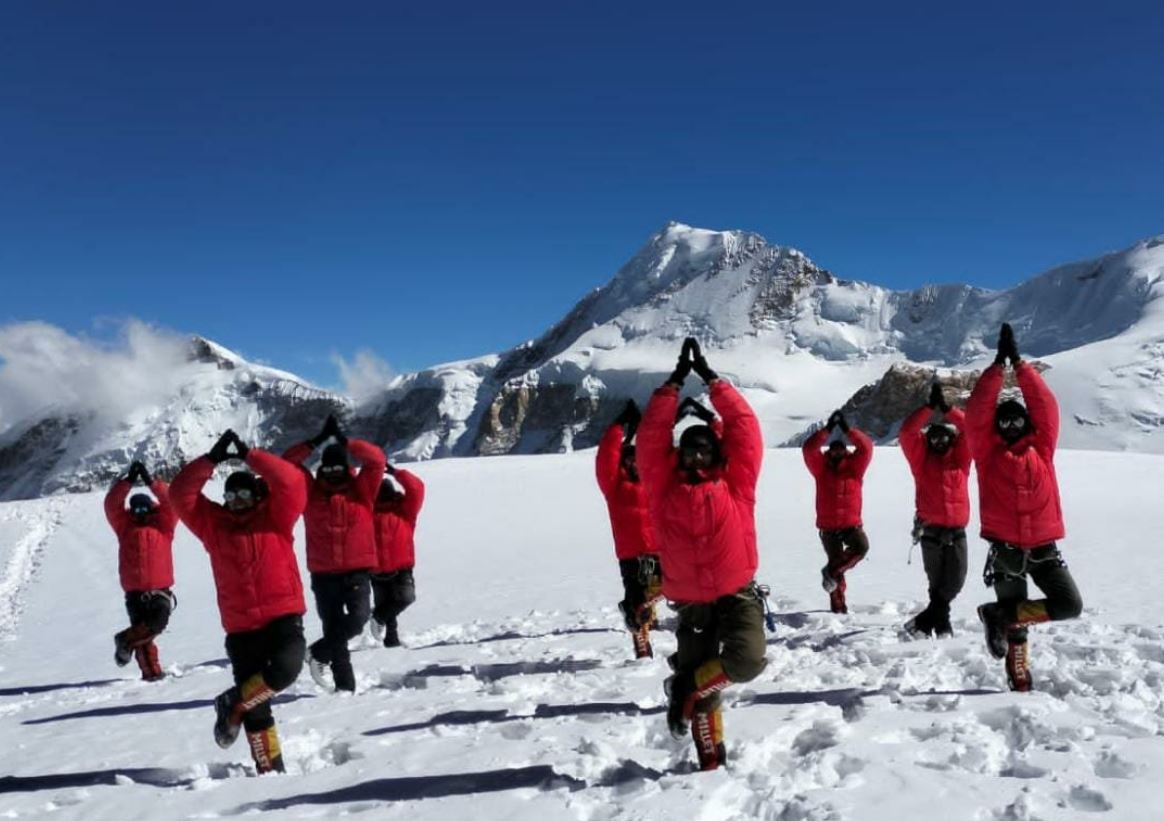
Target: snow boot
265, 750
147, 661
941, 618
231, 704
995, 625
1018, 667
707, 731
827, 580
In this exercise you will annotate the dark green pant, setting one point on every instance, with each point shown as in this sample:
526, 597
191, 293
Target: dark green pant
944, 556
731, 628
1008, 568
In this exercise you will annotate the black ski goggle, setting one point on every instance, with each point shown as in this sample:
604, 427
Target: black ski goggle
141, 511
242, 494
333, 470
1012, 423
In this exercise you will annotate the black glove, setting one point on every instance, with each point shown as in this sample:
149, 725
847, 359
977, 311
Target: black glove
691, 407
330, 428
1007, 347
239, 446
937, 400
683, 366
699, 364
144, 474
390, 469
630, 414
837, 420
220, 452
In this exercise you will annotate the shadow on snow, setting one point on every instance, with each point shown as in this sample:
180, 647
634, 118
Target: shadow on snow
153, 707
542, 711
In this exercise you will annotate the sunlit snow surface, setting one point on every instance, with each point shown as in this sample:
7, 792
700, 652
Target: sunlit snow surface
516, 698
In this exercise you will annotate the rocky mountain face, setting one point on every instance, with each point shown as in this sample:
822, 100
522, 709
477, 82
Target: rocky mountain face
880, 407
70, 451
797, 341
796, 338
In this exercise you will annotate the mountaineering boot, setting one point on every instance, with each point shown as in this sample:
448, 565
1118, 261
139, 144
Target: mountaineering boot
125, 642
923, 623
265, 750
827, 580
1018, 667
678, 688
687, 689
995, 625
147, 661
941, 618
232, 703
391, 635
320, 670
707, 731
642, 643
1031, 612
837, 601
344, 676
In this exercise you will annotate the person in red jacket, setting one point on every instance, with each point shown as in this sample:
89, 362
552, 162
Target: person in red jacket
145, 540
394, 520
260, 596
634, 541
1022, 517
839, 476
933, 439
341, 546
702, 498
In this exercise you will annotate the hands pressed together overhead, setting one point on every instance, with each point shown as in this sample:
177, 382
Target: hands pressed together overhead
221, 451
138, 472
1007, 347
330, 429
691, 359
937, 400
837, 420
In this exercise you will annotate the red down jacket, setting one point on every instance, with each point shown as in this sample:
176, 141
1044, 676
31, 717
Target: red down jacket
145, 555
1017, 488
252, 554
941, 495
395, 525
626, 501
340, 535
838, 488
706, 532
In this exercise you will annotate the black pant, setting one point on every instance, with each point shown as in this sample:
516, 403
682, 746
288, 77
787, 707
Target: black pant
731, 628
1008, 568
342, 601
276, 651
844, 548
393, 593
945, 559
150, 609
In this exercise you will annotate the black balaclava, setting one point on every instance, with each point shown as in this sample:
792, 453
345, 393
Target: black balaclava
334, 455
699, 439
140, 505
244, 480
1010, 410
940, 438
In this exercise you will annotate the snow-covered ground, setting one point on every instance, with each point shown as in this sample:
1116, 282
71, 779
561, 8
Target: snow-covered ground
516, 697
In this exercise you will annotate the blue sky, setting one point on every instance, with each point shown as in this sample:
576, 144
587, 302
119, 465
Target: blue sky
299, 180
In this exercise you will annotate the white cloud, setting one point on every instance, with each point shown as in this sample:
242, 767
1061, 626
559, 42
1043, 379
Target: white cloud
43, 366
364, 376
